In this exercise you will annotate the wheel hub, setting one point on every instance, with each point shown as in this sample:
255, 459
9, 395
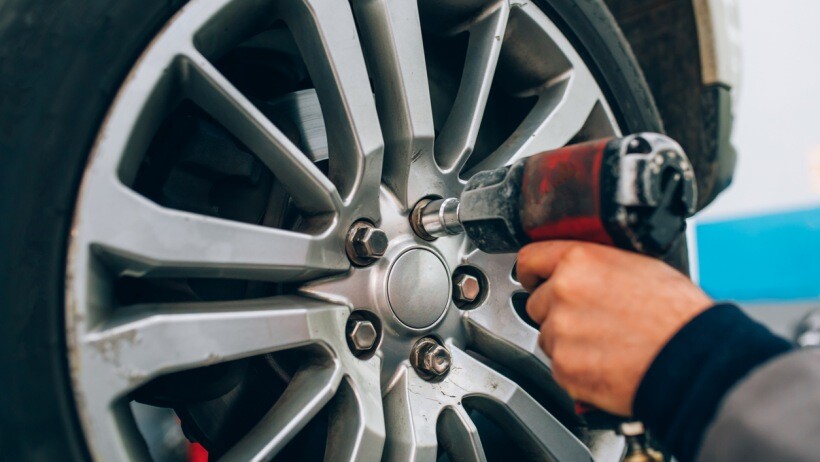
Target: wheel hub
418, 288
409, 287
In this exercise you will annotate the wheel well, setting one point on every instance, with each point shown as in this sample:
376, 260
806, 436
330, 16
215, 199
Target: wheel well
663, 35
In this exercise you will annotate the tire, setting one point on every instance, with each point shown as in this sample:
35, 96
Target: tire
61, 66
595, 32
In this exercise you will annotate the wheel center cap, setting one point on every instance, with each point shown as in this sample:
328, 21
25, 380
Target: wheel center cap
418, 288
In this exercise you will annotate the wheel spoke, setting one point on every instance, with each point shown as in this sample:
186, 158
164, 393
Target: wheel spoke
496, 331
457, 139
500, 266
326, 33
308, 392
507, 340
393, 43
499, 334
141, 238
512, 408
459, 436
412, 435
357, 428
560, 113
161, 339
311, 190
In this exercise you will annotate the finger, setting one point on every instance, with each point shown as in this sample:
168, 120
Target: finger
546, 340
536, 262
548, 336
539, 303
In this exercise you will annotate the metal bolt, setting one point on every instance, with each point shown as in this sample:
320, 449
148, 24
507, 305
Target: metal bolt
363, 335
430, 359
365, 243
466, 288
637, 445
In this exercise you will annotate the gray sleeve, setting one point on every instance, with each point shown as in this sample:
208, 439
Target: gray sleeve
772, 415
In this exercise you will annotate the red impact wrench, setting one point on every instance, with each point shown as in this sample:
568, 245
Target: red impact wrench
633, 192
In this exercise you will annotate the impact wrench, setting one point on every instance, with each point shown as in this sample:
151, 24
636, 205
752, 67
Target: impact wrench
633, 192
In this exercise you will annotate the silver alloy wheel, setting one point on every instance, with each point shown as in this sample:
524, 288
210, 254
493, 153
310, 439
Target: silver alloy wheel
384, 155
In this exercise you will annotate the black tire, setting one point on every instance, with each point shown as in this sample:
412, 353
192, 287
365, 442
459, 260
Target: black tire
594, 32
61, 63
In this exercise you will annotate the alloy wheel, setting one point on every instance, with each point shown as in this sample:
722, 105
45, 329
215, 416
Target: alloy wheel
382, 125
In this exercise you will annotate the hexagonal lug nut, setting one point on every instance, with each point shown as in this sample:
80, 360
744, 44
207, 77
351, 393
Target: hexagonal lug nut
370, 242
363, 335
365, 243
437, 361
466, 288
430, 359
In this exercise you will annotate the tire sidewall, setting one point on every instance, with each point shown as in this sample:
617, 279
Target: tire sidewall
592, 29
61, 63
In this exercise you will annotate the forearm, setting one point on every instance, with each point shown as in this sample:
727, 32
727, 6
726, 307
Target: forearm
685, 384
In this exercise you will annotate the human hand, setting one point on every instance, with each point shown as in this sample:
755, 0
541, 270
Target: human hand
604, 314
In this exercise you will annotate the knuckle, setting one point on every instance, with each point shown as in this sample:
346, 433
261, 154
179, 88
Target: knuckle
562, 285
556, 324
577, 254
583, 255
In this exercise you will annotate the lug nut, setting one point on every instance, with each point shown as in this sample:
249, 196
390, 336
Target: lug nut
362, 335
430, 359
466, 288
365, 243
369, 242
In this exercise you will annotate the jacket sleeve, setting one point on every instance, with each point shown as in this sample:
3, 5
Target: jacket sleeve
686, 383
773, 414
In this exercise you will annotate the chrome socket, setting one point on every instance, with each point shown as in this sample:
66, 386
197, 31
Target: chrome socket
434, 218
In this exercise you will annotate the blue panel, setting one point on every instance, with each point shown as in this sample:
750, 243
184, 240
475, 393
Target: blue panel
765, 257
